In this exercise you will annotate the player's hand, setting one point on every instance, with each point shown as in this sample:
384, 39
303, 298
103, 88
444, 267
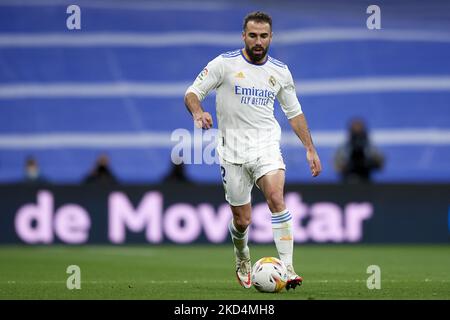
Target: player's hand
203, 120
314, 162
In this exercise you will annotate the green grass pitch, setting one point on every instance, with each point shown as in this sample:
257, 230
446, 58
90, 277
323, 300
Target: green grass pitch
207, 272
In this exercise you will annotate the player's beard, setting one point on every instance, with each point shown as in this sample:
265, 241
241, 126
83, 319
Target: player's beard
256, 57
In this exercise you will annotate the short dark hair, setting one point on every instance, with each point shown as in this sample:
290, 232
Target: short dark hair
257, 16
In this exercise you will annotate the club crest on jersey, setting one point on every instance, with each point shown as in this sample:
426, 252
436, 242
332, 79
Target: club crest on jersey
203, 74
272, 81
240, 75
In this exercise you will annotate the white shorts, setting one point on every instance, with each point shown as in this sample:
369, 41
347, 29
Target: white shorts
238, 179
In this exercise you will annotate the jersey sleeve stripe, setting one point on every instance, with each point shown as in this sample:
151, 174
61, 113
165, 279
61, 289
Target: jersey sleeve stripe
231, 54
277, 62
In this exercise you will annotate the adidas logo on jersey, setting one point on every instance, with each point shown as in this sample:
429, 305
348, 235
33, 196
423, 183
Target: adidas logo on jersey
240, 75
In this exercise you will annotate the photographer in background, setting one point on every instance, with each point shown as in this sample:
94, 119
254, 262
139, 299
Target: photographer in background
101, 173
357, 158
32, 172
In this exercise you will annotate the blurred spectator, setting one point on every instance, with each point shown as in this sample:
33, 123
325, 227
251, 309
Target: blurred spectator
177, 173
357, 158
101, 173
33, 172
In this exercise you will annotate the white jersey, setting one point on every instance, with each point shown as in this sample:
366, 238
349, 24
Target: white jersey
245, 96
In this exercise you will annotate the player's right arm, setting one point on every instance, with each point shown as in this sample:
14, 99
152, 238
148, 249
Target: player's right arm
208, 79
201, 118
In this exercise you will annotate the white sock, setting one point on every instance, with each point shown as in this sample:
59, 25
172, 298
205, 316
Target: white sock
240, 240
282, 235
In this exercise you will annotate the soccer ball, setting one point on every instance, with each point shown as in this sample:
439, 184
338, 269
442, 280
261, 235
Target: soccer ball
269, 274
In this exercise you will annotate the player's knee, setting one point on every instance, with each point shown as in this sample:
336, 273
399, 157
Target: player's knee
275, 200
242, 223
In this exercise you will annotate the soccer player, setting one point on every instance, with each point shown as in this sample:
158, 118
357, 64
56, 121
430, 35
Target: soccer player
247, 81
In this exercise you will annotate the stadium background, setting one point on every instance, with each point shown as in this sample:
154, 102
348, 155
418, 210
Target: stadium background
116, 86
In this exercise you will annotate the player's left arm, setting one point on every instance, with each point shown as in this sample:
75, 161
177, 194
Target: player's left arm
287, 97
301, 129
